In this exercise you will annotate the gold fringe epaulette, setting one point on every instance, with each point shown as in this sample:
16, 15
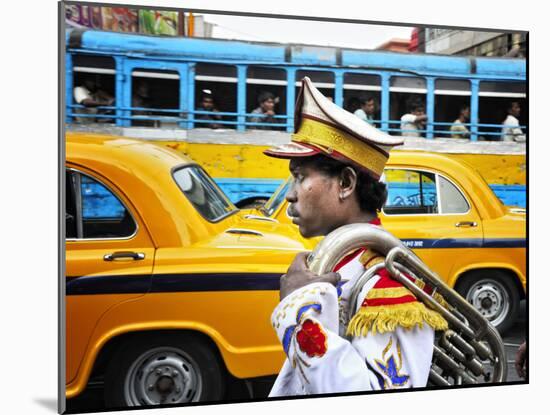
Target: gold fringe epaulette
389, 304
386, 318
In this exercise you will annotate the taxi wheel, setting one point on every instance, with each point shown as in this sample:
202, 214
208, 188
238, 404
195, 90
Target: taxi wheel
163, 370
494, 295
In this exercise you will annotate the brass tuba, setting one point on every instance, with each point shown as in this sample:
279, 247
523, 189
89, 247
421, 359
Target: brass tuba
470, 351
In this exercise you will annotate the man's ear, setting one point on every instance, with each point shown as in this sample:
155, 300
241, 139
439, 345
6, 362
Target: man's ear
348, 182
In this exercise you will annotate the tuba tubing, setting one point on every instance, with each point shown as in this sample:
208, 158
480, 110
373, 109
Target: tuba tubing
464, 346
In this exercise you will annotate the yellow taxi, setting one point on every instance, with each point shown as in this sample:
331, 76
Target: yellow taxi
169, 287
444, 211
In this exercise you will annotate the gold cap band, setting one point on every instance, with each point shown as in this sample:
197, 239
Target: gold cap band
328, 139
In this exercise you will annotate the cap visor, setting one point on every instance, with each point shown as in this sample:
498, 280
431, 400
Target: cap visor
291, 150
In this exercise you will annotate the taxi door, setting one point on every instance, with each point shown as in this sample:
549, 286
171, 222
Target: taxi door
433, 216
109, 257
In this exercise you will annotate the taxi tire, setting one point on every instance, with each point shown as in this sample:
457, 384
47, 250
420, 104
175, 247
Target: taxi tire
465, 283
201, 351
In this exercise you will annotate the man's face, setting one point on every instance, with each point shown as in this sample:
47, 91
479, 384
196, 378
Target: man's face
369, 107
418, 111
515, 110
143, 90
466, 113
268, 105
90, 84
207, 103
313, 200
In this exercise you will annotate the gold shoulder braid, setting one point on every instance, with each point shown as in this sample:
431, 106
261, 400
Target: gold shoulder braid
388, 305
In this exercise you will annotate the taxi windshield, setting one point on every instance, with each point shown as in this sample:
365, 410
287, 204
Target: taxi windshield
203, 193
276, 199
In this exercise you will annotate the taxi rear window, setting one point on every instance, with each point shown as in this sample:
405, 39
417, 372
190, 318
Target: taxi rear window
410, 192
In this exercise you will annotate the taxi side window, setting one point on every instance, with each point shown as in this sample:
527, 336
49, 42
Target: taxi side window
410, 192
98, 213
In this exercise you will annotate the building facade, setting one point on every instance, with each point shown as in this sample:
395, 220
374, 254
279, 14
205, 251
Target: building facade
471, 43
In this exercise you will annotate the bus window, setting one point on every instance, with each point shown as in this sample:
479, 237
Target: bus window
159, 90
494, 100
357, 88
261, 81
219, 82
93, 83
451, 97
404, 93
323, 81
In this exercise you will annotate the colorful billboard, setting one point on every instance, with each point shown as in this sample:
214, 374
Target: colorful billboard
73, 15
119, 19
116, 19
154, 22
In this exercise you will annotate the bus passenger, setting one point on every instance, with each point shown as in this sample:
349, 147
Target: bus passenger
510, 129
366, 112
265, 112
207, 104
353, 104
141, 98
415, 120
90, 96
458, 128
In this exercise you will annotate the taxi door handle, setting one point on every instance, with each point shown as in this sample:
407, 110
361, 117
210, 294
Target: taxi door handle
136, 256
466, 224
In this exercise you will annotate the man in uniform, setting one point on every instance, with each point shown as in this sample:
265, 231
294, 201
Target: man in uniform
337, 160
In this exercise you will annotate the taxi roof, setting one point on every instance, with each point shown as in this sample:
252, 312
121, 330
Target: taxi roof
431, 160
128, 152
422, 157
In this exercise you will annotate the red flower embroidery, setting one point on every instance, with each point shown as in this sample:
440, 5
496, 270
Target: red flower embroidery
312, 339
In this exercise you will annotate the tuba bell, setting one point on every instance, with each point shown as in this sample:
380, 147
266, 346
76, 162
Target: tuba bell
470, 351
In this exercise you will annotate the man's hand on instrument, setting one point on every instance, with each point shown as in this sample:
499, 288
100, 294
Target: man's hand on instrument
298, 275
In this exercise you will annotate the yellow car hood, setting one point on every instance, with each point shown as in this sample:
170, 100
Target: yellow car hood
260, 233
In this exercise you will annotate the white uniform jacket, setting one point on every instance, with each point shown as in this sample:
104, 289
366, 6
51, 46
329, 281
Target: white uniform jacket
387, 344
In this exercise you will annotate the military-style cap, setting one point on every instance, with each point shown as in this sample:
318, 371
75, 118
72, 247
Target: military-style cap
322, 127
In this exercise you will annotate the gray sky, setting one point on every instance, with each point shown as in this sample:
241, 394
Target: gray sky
360, 36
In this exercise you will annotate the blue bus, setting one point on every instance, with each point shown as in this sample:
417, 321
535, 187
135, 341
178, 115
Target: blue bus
178, 70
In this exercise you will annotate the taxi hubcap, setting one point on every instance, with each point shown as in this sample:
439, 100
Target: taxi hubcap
491, 299
163, 375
